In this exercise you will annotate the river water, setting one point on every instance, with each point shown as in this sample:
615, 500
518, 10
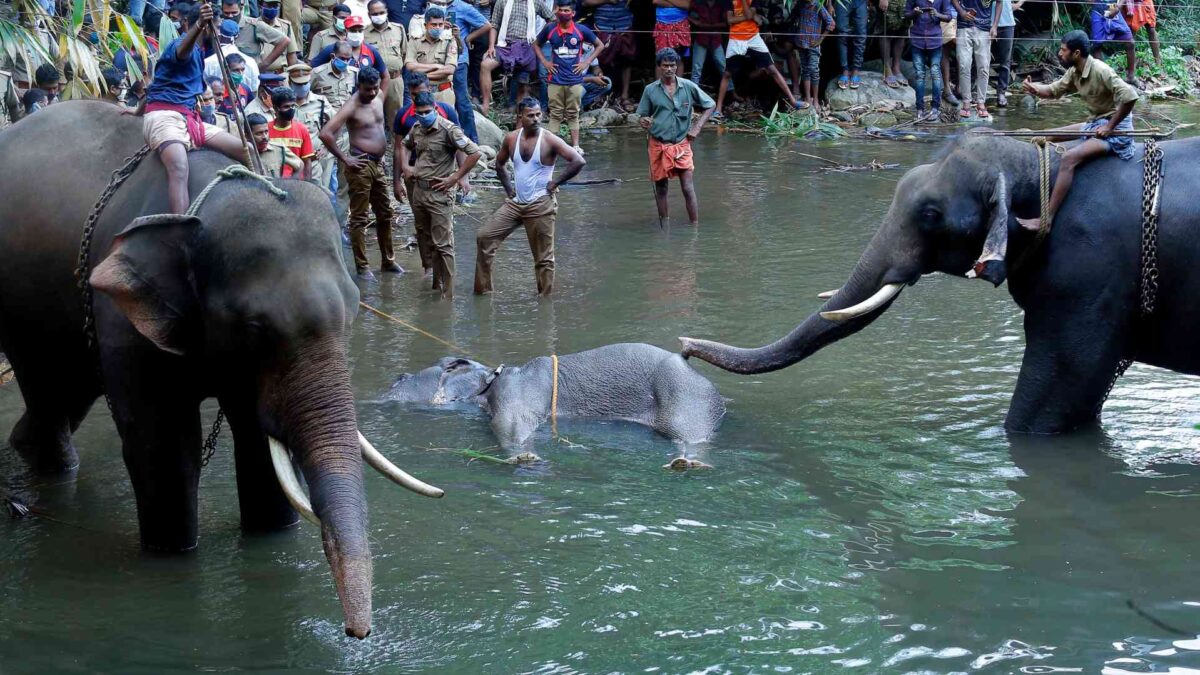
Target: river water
866, 512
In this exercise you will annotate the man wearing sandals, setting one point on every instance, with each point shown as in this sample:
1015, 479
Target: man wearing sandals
1108, 98
974, 48
747, 54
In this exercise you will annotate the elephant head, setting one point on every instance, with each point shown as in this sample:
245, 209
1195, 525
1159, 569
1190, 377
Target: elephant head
953, 216
451, 379
255, 293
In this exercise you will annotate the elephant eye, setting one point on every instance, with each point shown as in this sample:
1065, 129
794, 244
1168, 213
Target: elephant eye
930, 215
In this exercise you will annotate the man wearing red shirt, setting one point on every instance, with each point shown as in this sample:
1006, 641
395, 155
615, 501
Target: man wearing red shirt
287, 134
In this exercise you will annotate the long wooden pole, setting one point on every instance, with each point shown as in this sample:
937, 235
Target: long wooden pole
239, 112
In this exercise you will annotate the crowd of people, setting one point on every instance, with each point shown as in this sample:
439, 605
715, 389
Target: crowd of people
318, 91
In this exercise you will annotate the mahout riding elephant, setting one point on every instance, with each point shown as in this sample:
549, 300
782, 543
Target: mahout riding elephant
638, 383
1079, 287
247, 301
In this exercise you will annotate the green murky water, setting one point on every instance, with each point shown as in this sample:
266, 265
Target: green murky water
866, 512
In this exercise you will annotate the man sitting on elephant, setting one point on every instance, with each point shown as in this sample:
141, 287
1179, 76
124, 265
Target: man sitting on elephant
170, 122
1109, 98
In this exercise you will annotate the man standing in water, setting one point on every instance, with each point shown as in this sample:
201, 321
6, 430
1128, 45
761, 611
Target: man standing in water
531, 201
363, 118
666, 109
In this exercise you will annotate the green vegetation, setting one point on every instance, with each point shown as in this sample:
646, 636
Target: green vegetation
797, 124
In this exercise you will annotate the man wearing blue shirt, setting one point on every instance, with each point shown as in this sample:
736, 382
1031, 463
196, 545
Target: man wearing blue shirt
468, 25
170, 122
566, 40
974, 48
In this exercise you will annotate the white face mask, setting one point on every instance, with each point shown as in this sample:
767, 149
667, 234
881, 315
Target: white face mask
355, 39
378, 19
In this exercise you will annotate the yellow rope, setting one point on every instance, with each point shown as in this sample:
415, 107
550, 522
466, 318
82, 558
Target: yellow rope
1043, 145
413, 328
554, 397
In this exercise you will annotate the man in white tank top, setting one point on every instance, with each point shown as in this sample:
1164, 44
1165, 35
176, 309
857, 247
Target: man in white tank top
531, 201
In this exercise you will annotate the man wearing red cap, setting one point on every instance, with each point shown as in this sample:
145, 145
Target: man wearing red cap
364, 55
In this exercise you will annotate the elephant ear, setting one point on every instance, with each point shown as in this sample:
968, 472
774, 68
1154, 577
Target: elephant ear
148, 275
991, 266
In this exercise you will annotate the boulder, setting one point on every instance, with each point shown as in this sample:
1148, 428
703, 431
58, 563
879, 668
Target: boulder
588, 119
633, 119
842, 116
488, 152
607, 117
875, 119
489, 133
871, 92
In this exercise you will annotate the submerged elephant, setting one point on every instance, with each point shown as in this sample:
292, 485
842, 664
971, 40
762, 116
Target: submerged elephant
248, 301
634, 382
1079, 287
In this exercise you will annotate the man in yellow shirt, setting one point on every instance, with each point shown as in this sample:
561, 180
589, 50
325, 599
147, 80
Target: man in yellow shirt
1108, 98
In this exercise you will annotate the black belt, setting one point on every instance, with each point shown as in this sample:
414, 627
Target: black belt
371, 156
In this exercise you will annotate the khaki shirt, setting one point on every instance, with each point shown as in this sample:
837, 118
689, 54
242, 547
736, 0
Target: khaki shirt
321, 40
392, 44
315, 112
1099, 86
335, 88
256, 39
10, 105
226, 123
435, 148
275, 157
293, 47
442, 52
256, 106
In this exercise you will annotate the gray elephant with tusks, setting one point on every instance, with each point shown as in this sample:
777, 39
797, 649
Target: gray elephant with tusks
247, 300
633, 382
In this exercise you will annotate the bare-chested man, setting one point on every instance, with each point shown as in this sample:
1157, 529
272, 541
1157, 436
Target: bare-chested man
362, 116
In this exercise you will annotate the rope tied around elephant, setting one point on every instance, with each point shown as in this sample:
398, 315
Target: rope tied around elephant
554, 395
1045, 185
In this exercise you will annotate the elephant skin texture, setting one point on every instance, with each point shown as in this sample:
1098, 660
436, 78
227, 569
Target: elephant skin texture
633, 382
1079, 288
249, 302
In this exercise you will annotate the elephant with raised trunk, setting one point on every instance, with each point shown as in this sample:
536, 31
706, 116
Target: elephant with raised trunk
247, 301
1079, 286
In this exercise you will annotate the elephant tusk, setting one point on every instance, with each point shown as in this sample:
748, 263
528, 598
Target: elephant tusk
281, 459
881, 297
393, 472
828, 294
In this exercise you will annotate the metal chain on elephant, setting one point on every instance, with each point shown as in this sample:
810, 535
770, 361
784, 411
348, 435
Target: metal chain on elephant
1148, 286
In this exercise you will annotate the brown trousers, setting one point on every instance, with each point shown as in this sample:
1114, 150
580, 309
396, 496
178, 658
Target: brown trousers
538, 219
370, 191
433, 219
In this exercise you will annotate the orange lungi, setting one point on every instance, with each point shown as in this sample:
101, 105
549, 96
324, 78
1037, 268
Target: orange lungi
668, 160
1143, 14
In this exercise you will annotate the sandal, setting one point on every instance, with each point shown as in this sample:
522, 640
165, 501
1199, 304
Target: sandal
964, 113
843, 82
855, 80
890, 81
984, 114
900, 80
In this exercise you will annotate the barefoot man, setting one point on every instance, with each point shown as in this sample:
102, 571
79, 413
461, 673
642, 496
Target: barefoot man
1110, 100
666, 109
531, 201
362, 115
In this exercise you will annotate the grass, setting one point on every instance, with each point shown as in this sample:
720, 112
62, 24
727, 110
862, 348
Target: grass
800, 124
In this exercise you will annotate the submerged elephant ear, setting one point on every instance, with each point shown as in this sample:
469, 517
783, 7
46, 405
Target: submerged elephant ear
148, 275
991, 266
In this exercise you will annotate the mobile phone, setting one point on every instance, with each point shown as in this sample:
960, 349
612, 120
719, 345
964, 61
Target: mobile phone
450, 16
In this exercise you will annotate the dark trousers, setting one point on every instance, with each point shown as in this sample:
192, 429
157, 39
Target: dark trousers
462, 103
852, 23
1003, 46
928, 62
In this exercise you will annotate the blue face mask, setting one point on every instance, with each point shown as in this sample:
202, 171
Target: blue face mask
301, 90
435, 33
340, 64
428, 119
270, 13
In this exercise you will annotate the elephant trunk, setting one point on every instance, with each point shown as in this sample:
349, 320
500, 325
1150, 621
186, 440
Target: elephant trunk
871, 289
313, 410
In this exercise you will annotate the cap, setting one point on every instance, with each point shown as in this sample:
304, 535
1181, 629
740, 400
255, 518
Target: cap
300, 73
352, 21
270, 78
230, 28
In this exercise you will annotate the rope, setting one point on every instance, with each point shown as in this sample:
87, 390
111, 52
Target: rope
554, 396
1043, 146
229, 172
413, 328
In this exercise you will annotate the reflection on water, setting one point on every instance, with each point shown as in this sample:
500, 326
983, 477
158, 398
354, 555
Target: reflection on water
866, 510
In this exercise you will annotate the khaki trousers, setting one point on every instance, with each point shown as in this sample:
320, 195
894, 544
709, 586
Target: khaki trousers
291, 11
538, 219
445, 96
433, 219
369, 191
564, 106
319, 19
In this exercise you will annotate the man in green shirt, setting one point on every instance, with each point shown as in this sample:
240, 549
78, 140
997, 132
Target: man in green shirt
1108, 98
666, 109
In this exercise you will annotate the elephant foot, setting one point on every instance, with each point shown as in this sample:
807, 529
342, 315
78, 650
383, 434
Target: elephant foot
685, 463
525, 458
46, 452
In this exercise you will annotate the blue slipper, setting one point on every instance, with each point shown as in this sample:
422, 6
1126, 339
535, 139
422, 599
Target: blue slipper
843, 82
855, 81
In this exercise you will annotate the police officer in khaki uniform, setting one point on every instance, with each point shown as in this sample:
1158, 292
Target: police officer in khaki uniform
434, 140
318, 14
390, 39
334, 84
271, 11
436, 55
335, 32
262, 98
255, 38
313, 111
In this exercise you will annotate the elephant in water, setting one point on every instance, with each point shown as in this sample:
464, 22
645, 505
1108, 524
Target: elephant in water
634, 382
1079, 286
248, 301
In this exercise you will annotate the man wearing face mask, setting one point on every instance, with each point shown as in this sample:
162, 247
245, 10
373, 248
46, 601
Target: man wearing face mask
362, 116
567, 68
271, 12
262, 100
288, 133
313, 111
362, 54
336, 79
114, 86
391, 42
331, 34
255, 39
226, 37
229, 101
434, 141
436, 55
